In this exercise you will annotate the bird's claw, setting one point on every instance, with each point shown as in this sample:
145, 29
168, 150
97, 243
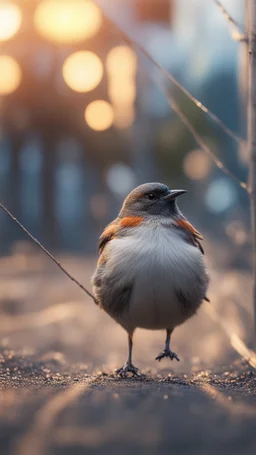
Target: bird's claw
167, 353
128, 368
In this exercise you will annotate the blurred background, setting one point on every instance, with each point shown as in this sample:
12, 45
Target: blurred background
82, 122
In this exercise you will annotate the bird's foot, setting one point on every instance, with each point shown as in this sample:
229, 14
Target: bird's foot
128, 368
167, 353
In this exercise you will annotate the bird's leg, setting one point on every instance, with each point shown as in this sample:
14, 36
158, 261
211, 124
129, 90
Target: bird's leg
167, 352
128, 366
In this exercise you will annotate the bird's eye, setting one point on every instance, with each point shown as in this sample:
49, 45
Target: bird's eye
151, 196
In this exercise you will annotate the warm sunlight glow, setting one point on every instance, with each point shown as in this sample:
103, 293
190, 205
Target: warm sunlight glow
237, 232
121, 60
99, 115
122, 90
67, 21
10, 20
10, 75
196, 165
82, 71
123, 116
121, 65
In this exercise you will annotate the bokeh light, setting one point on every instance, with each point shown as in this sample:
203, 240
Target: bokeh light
10, 75
121, 60
123, 116
10, 20
67, 21
82, 71
122, 91
120, 179
196, 165
220, 195
99, 115
236, 232
121, 65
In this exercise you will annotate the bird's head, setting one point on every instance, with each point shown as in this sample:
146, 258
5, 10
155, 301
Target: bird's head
151, 199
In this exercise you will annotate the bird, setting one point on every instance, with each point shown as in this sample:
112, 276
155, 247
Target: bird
151, 272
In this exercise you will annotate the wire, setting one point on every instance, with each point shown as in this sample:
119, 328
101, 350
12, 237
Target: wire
169, 76
235, 341
46, 252
237, 33
198, 138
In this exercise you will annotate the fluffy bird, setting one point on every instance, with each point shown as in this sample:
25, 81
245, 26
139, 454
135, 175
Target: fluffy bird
151, 272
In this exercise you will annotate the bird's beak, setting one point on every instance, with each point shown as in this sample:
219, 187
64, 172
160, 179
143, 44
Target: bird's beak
173, 194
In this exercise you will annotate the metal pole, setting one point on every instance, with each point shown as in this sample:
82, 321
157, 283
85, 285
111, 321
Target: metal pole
252, 137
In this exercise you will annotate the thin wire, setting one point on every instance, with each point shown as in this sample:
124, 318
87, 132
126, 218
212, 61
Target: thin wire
46, 251
198, 138
236, 342
240, 35
169, 76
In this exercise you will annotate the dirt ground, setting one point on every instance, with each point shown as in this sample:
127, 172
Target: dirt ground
59, 394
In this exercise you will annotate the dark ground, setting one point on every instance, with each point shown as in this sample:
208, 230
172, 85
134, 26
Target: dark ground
48, 408
52, 402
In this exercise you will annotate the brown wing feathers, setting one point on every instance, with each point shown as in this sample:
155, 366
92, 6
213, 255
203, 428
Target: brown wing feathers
195, 235
189, 228
108, 234
113, 228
